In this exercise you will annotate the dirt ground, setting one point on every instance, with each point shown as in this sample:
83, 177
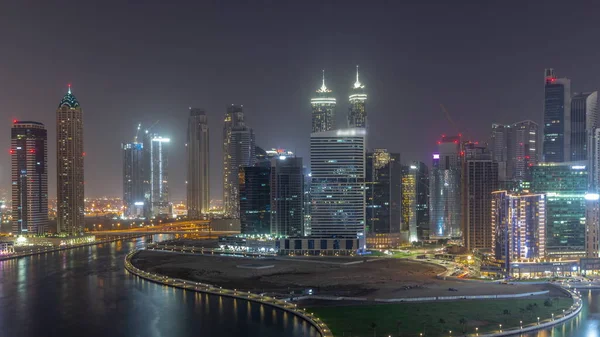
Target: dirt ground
376, 278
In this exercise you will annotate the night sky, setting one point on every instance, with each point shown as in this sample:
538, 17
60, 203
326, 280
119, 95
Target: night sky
147, 60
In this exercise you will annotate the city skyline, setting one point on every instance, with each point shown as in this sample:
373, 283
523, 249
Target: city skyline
426, 76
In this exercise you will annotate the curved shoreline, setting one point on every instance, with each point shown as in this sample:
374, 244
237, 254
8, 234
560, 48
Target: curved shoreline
323, 330
540, 326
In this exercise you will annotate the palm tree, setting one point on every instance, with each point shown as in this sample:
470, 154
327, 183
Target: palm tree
374, 327
463, 322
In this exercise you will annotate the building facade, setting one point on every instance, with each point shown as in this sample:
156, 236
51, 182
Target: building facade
557, 118
323, 109
445, 189
357, 114
69, 166
518, 227
156, 161
480, 179
383, 186
255, 199
338, 183
197, 146
415, 201
133, 179
287, 196
584, 113
515, 148
238, 150
29, 157
565, 187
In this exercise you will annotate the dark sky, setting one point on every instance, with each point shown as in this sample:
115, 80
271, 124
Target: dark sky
141, 61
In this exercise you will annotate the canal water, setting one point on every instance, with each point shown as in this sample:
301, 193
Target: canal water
86, 292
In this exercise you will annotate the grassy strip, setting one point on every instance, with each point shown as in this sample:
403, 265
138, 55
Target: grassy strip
437, 318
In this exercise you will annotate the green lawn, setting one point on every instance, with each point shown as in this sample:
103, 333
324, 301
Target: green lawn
435, 318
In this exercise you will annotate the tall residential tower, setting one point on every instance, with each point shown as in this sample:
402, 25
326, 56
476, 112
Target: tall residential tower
197, 161
238, 151
29, 154
69, 166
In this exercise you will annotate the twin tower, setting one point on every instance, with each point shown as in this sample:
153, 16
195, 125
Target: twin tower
323, 107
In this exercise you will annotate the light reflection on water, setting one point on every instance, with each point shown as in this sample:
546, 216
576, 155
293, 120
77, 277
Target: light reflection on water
85, 291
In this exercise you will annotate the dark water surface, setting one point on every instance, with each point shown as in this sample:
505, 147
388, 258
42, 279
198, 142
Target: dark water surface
86, 292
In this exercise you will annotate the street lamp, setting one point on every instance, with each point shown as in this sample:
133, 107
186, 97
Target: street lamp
500, 327
538, 321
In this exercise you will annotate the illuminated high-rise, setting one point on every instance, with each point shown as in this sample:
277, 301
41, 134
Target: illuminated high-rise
238, 150
557, 118
133, 179
584, 114
383, 187
415, 201
479, 180
337, 160
565, 186
518, 229
255, 199
357, 114
29, 156
156, 174
287, 195
69, 166
445, 189
197, 182
323, 109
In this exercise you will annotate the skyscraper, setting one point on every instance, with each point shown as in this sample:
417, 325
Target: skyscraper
557, 118
565, 186
133, 179
69, 166
156, 174
29, 156
383, 186
323, 109
357, 114
518, 226
255, 199
514, 147
287, 192
584, 114
338, 180
415, 201
523, 149
197, 162
238, 151
445, 189
480, 179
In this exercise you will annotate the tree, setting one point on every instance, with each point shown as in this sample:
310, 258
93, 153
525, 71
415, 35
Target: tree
463, 322
442, 321
374, 327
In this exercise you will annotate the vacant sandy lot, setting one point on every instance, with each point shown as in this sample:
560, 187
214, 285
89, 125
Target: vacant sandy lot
375, 278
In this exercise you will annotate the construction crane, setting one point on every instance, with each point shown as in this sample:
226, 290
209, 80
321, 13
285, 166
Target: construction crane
137, 132
449, 118
151, 126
